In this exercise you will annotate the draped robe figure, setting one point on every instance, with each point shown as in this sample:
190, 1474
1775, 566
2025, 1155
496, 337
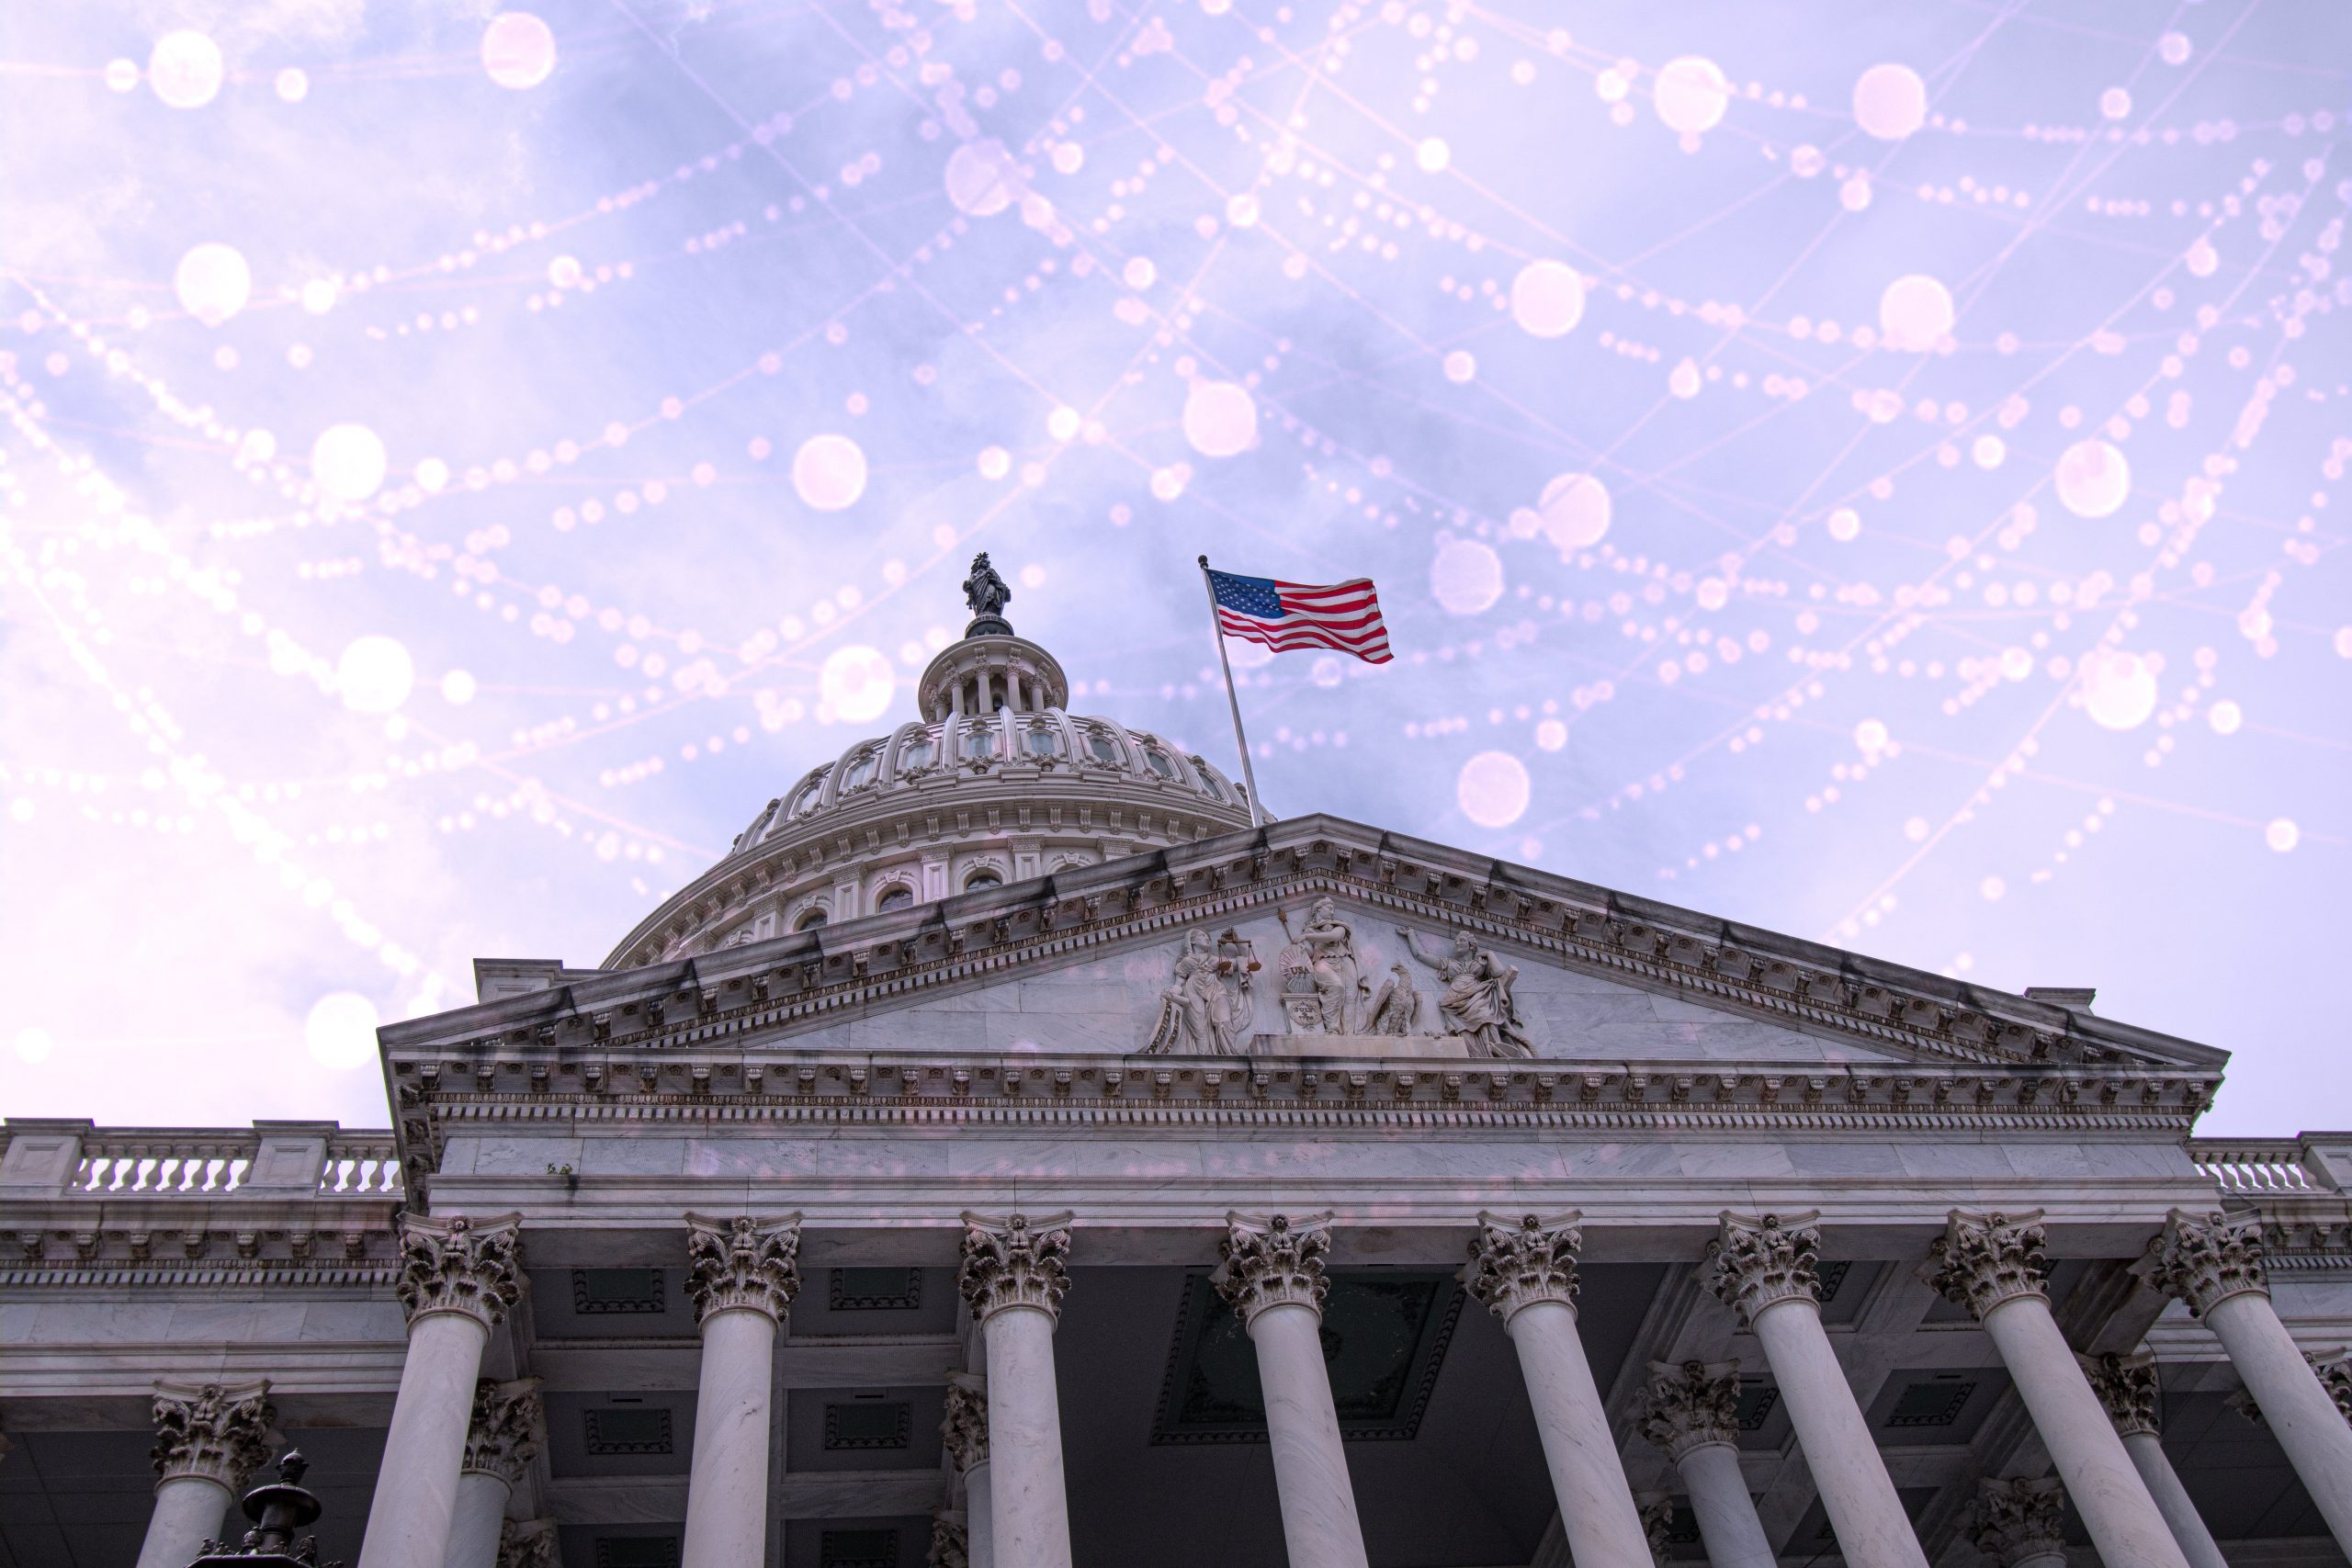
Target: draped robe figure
1477, 1002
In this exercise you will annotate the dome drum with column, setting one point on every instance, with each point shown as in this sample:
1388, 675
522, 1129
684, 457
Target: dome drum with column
997, 783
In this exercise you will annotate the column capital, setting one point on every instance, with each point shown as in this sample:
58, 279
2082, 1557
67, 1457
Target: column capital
1011, 1261
1692, 1405
1272, 1260
1512, 1265
503, 1438
2127, 1386
1761, 1261
460, 1265
1982, 1261
1655, 1510
2329, 1365
746, 1263
2203, 1260
950, 1548
532, 1544
2013, 1522
218, 1431
965, 1428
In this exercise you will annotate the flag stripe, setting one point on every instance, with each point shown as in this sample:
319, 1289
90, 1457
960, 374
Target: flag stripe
1286, 617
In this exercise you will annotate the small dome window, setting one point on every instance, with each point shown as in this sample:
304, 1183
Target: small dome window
981, 878
805, 795
811, 920
861, 769
1208, 779
1157, 760
1043, 742
898, 895
915, 753
978, 741
1105, 750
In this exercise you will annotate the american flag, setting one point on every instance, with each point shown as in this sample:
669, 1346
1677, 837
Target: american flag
1287, 616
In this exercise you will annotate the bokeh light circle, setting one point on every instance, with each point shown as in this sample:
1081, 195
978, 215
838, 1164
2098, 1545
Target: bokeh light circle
1467, 576
829, 472
375, 673
212, 282
347, 462
2119, 689
1220, 419
1547, 299
1691, 95
1915, 313
857, 683
518, 50
1890, 101
2094, 478
1493, 789
1576, 510
185, 69
340, 1031
981, 178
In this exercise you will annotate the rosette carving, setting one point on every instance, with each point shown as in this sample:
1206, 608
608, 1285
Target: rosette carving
2205, 1261
1271, 1261
965, 1427
1010, 1262
1982, 1261
1761, 1261
218, 1431
2015, 1522
458, 1266
2127, 1386
1691, 1406
743, 1264
503, 1435
1534, 1260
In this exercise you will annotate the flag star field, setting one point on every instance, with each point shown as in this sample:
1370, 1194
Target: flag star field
1866, 470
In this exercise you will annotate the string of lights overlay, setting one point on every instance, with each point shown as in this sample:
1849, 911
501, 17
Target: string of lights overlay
1866, 471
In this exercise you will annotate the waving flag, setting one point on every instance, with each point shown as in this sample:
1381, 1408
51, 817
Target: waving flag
1285, 616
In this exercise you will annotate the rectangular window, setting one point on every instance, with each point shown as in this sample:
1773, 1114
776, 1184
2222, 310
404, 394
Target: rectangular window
638, 1552
616, 1289
868, 1424
628, 1432
1935, 1403
858, 1549
875, 1290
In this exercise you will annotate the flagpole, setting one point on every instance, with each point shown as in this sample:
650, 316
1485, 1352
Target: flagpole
1249, 776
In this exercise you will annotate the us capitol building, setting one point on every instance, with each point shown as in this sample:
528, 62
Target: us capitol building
1007, 1157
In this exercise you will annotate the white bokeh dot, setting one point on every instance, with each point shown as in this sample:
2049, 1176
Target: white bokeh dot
1547, 299
2282, 834
1575, 510
347, 462
857, 683
1890, 101
2094, 478
340, 1031
212, 282
1691, 95
1492, 789
517, 50
1915, 313
457, 688
374, 673
1467, 576
829, 472
982, 178
1870, 734
2119, 689
1220, 418
185, 69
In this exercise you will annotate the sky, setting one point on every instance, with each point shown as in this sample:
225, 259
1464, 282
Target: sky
1864, 470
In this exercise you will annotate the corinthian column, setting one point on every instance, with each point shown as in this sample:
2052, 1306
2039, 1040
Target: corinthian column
1692, 1413
2126, 1386
500, 1445
1272, 1276
457, 1279
1765, 1267
1994, 1266
1013, 1278
208, 1441
2216, 1265
532, 1544
964, 1432
1527, 1276
2020, 1523
741, 1275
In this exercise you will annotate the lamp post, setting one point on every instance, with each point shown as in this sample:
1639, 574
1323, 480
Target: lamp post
278, 1509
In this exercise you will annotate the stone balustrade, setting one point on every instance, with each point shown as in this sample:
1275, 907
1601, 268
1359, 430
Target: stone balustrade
67, 1159
2259, 1168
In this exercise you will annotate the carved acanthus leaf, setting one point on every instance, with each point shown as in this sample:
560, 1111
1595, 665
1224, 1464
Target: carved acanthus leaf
965, 1427
1761, 1261
502, 1438
2205, 1261
2014, 1522
218, 1431
1690, 1405
1271, 1260
2127, 1386
1982, 1261
743, 1263
1010, 1262
458, 1266
1532, 1260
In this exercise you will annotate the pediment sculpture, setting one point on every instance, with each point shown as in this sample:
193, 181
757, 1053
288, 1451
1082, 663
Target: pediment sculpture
1477, 1002
1207, 1010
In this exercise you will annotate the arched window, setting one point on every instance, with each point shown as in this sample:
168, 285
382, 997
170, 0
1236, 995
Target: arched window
1157, 760
1105, 750
915, 753
978, 741
861, 769
1208, 779
1045, 741
898, 895
981, 878
805, 795
811, 920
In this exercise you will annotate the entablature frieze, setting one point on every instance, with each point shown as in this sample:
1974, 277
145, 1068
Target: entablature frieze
808, 977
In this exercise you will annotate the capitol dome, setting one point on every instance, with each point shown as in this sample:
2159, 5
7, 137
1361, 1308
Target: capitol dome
996, 782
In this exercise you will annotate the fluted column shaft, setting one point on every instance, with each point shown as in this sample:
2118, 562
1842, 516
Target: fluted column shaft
1272, 1275
455, 1282
1526, 1275
1015, 1276
1728, 1527
2172, 1500
2217, 1266
1994, 1266
208, 1441
477, 1520
1766, 1268
741, 1275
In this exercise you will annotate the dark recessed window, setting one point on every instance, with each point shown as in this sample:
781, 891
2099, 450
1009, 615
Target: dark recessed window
628, 1432
1159, 763
914, 754
868, 1424
982, 879
861, 769
1931, 1404
636, 1551
1756, 1399
1105, 750
811, 920
616, 1290
980, 741
1208, 779
875, 1290
896, 898
1832, 1276
858, 1549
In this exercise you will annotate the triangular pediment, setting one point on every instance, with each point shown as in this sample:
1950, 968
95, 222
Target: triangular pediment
1144, 955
